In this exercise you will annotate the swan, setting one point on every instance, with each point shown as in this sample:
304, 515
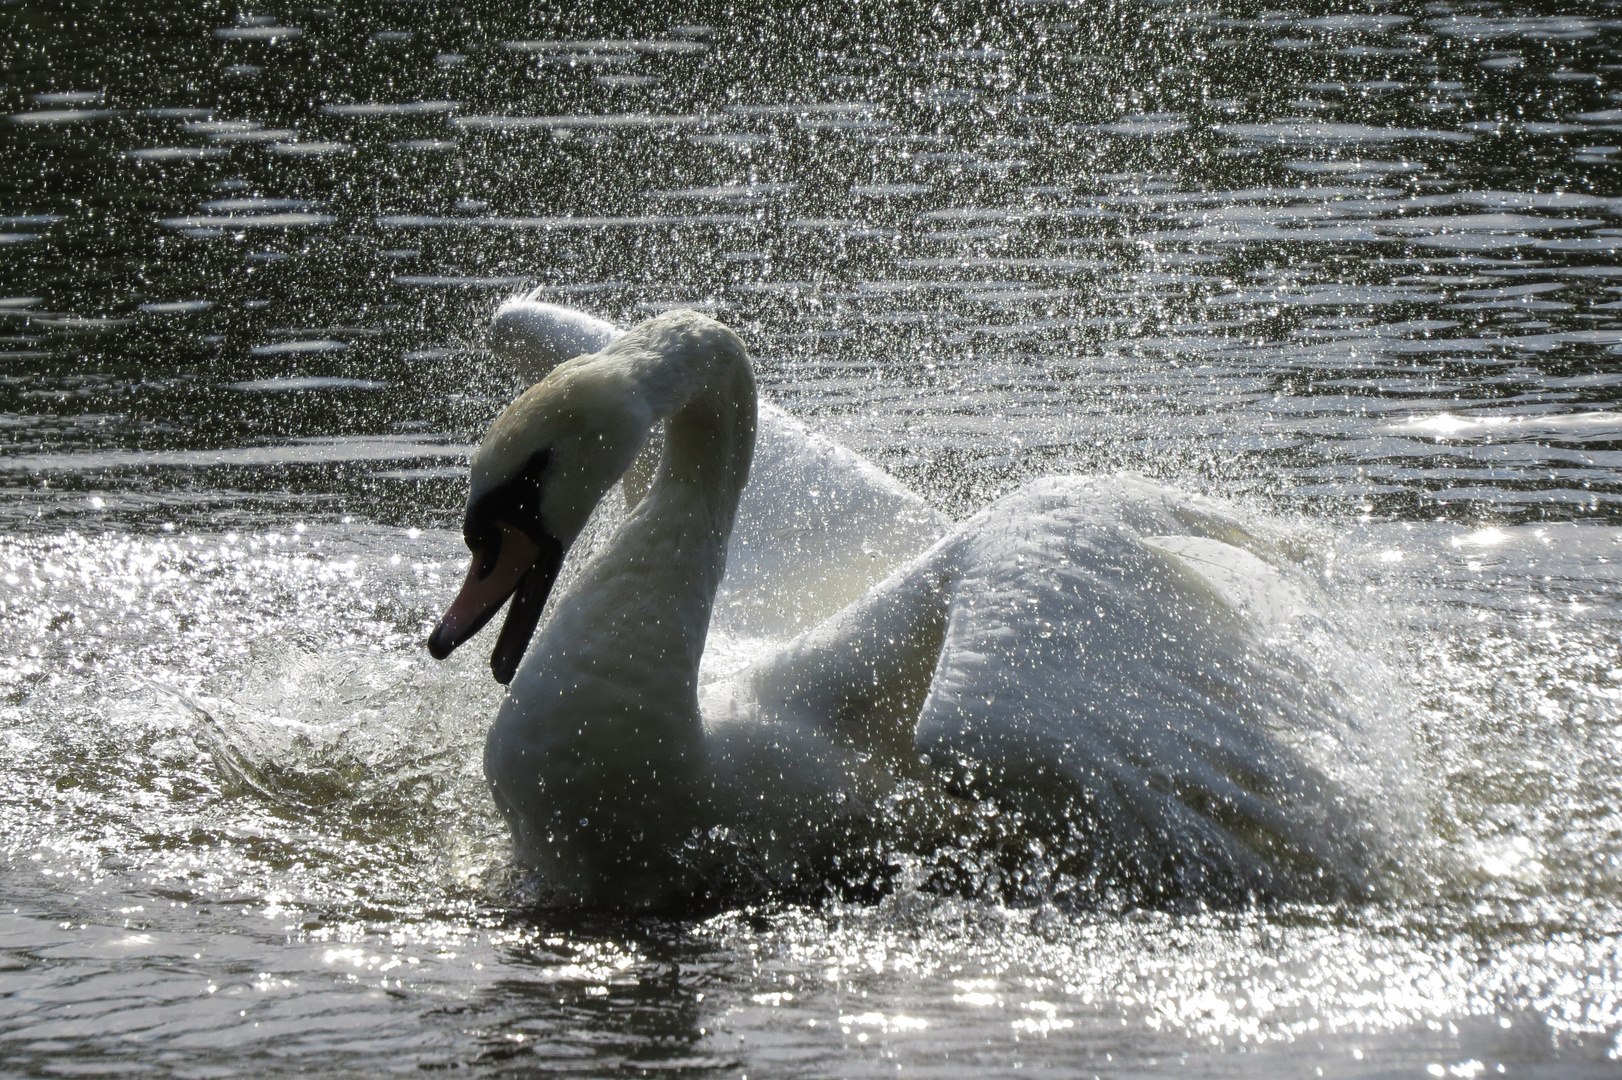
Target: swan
1102, 662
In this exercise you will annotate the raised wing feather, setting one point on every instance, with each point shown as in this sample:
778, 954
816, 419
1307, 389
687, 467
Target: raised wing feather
1109, 656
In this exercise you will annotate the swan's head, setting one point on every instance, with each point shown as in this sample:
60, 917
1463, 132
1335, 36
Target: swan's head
540, 471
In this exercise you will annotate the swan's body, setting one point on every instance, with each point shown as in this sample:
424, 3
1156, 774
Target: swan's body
1096, 656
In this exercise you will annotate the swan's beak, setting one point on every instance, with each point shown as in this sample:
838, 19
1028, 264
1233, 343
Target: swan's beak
522, 570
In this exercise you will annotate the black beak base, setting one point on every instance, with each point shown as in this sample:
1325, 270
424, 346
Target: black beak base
524, 613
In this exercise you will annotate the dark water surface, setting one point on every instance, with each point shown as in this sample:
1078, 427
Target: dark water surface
1358, 265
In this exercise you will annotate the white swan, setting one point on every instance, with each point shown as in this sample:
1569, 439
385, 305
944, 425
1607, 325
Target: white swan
1094, 655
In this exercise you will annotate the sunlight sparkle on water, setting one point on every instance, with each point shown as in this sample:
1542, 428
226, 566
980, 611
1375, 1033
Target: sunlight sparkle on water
1355, 271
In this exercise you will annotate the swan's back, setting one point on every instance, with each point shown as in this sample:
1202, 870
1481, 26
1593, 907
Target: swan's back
1102, 658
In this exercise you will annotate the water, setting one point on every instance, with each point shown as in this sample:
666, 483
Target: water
1358, 268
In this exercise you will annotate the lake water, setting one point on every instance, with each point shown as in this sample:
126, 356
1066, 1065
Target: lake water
1356, 267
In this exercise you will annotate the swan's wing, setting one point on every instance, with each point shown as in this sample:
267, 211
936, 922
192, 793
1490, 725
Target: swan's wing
535, 337
1100, 653
817, 527
861, 676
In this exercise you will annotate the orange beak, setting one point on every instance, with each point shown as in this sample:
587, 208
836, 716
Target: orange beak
520, 567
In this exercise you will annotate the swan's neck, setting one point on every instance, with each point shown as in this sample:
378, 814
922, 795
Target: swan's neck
655, 583
602, 722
